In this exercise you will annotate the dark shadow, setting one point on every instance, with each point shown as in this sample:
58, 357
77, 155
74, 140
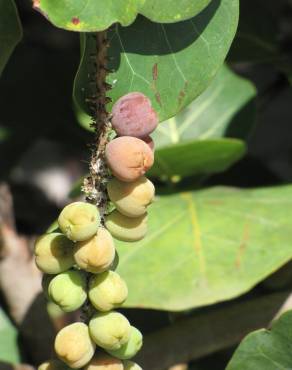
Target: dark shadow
29, 203
243, 122
156, 39
37, 333
36, 89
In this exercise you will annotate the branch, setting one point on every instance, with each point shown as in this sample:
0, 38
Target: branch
94, 185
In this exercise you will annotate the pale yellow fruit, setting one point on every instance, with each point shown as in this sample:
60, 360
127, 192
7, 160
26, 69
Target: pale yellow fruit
131, 198
130, 365
53, 365
97, 253
107, 291
104, 362
79, 221
127, 229
131, 347
54, 253
74, 346
109, 330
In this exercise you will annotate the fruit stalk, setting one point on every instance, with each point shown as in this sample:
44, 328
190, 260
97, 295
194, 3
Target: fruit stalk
94, 185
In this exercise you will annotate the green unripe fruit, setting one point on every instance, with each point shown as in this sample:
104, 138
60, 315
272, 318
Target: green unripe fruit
125, 228
131, 198
68, 290
74, 346
53, 365
130, 365
54, 253
131, 347
97, 253
104, 362
79, 221
107, 291
109, 330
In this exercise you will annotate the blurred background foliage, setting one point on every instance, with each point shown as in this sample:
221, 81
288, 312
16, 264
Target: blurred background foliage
215, 264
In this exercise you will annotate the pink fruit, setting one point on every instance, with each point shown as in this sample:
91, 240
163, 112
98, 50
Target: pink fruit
133, 115
128, 158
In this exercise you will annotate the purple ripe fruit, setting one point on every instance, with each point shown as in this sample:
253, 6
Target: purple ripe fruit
133, 115
128, 158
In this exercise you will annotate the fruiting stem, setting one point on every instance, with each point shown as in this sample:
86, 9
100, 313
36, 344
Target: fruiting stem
94, 185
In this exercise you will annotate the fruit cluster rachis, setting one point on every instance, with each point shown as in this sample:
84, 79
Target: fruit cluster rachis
78, 259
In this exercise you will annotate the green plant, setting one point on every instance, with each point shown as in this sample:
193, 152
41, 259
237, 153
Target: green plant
148, 68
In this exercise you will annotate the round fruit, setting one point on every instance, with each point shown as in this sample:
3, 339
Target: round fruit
53, 365
130, 365
107, 291
128, 158
133, 115
74, 346
68, 290
79, 221
54, 253
127, 229
131, 198
104, 362
97, 253
109, 330
131, 347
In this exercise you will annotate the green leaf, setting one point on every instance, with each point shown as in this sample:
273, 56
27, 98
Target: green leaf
207, 246
92, 16
10, 30
197, 157
172, 65
193, 143
266, 349
8, 340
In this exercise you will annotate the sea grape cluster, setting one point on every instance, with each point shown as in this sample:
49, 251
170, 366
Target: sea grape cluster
78, 259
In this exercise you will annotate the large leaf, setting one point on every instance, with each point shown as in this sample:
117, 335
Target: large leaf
192, 142
8, 340
10, 30
208, 246
172, 65
266, 349
90, 15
